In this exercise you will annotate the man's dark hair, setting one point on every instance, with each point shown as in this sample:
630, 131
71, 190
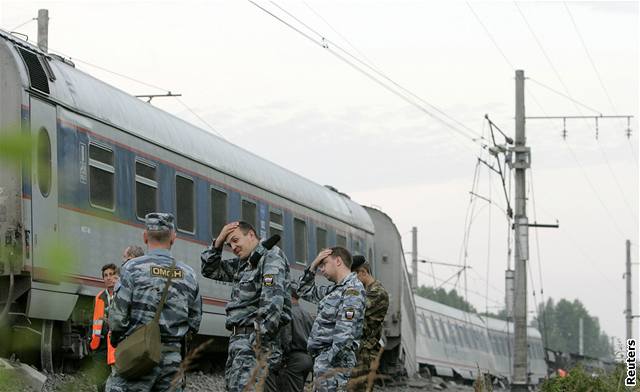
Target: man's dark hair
360, 265
160, 236
338, 251
246, 227
110, 266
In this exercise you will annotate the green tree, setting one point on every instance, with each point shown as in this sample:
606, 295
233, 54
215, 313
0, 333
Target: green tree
450, 298
559, 325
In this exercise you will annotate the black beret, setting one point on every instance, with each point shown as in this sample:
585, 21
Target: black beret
357, 261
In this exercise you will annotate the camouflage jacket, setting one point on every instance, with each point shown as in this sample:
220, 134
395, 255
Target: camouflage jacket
377, 304
341, 307
259, 294
138, 292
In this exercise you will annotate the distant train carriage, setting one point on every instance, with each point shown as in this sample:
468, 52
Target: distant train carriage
103, 160
454, 343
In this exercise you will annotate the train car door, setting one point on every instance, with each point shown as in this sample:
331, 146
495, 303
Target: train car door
44, 183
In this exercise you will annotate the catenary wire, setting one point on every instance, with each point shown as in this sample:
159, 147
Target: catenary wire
338, 33
323, 43
23, 24
370, 66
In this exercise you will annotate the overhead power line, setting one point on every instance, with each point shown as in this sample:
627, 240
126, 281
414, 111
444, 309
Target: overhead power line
373, 75
23, 24
167, 92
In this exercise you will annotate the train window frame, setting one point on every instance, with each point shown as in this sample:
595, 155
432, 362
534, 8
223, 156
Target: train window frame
445, 335
253, 203
338, 242
44, 172
305, 243
356, 246
193, 203
99, 165
426, 326
277, 226
326, 238
145, 181
219, 191
435, 328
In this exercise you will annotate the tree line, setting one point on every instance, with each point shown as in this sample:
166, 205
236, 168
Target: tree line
558, 323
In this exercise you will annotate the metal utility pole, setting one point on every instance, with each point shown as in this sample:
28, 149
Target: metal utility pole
628, 314
581, 336
43, 30
521, 162
414, 259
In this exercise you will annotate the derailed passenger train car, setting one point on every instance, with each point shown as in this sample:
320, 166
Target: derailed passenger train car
457, 344
103, 160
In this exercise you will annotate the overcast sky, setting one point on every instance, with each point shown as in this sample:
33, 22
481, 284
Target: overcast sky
265, 87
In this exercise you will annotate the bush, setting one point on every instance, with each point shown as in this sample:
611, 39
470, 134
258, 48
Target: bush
578, 380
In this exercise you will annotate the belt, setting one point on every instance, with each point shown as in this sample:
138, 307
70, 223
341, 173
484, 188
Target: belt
174, 349
240, 330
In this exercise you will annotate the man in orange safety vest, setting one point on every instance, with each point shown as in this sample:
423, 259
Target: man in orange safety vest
104, 354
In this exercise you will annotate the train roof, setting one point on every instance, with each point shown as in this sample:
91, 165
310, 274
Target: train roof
437, 307
92, 97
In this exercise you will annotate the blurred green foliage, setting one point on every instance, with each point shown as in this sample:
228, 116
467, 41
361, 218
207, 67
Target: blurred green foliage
15, 145
578, 380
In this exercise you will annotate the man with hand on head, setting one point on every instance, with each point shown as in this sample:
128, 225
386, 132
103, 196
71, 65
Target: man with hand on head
138, 296
336, 331
260, 303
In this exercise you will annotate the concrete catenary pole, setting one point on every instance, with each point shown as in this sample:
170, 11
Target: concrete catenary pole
43, 30
414, 259
520, 163
581, 336
628, 313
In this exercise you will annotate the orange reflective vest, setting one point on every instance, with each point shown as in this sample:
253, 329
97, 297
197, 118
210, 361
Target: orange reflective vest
98, 326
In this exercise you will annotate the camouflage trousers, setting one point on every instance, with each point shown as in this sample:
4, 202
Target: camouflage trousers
241, 362
158, 380
333, 376
359, 380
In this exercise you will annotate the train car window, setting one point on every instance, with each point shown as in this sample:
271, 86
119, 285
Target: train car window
249, 213
426, 327
321, 239
185, 204
370, 259
44, 162
454, 335
218, 211
276, 226
101, 177
445, 335
468, 332
463, 336
434, 328
300, 238
146, 188
341, 240
356, 246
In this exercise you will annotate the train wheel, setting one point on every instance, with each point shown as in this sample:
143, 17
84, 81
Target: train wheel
50, 345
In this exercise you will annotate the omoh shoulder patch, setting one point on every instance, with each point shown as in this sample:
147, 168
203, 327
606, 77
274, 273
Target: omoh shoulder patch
352, 292
349, 313
163, 272
267, 279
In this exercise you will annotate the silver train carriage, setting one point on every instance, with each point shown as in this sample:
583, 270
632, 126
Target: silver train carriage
103, 160
457, 344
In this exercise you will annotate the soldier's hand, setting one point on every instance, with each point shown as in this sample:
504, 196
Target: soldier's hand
224, 233
321, 256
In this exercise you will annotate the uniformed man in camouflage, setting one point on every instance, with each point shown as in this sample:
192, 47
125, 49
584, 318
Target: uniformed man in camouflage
137, 295
336, 331
377, 303
260, 304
